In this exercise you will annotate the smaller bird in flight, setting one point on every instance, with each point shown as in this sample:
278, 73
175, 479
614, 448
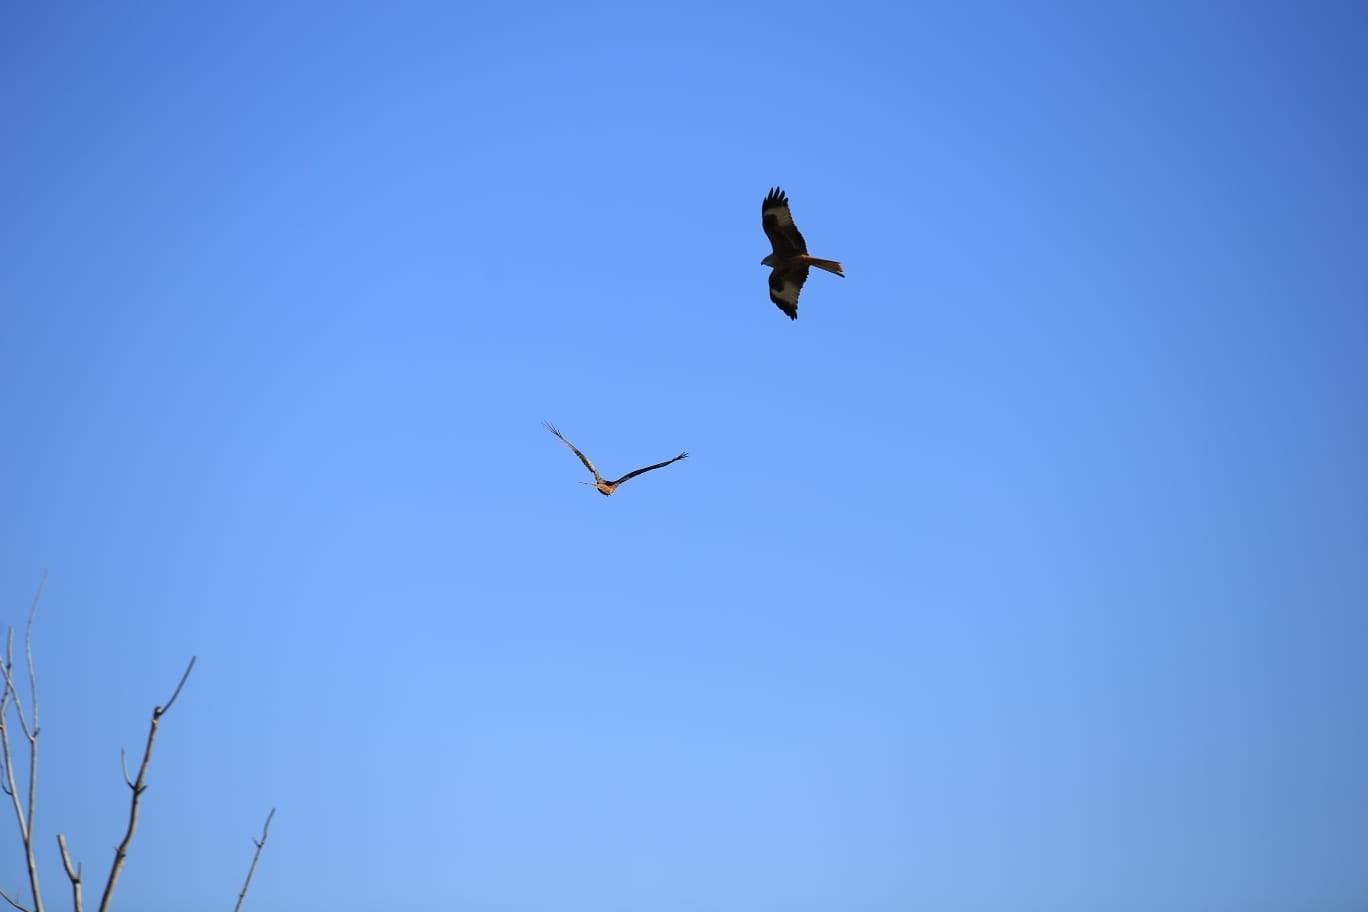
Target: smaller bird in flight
607, 487
790, 257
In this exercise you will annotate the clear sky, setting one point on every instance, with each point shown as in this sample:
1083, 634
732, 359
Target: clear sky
1027, 570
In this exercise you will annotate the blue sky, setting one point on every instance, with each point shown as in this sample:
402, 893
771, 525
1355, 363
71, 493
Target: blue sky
1025, 571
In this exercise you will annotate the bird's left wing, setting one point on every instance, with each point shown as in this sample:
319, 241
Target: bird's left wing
777, 221
584, 459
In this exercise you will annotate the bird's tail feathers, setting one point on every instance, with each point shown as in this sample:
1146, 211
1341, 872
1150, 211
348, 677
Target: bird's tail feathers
828, 265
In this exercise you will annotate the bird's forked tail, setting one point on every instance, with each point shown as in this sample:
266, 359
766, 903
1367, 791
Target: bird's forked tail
828, 265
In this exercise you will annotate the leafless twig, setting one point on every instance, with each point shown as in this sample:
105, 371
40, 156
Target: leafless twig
7, 898
260, 844
12, 703
139, 786
24, 816
73, 874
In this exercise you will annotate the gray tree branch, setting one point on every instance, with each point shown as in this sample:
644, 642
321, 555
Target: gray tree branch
73, 874
12, 703
7, 898
260, 844
139, 786
23, 816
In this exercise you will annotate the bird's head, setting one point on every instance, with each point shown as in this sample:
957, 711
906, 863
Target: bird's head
769, 261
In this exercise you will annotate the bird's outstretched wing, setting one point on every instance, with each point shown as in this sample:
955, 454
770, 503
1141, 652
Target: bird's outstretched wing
584, 459
777, 221
658, 465
785, 284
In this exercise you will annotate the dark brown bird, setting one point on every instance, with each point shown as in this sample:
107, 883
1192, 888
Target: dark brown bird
607, 487
790, 257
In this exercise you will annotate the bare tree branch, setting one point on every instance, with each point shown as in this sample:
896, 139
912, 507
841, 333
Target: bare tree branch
73, 874
7, 782
24, 810
33, 742
23, 816
138, 787
28, 655
5, 756
6, 897
265, 830
188, 668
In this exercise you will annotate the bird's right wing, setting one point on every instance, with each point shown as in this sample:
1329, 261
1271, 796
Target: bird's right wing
785, 284
658, 465
584, 459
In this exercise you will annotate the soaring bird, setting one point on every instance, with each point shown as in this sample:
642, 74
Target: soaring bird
607, 487
790, 257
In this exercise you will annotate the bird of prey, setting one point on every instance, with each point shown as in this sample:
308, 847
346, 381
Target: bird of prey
607, 487
790, 257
